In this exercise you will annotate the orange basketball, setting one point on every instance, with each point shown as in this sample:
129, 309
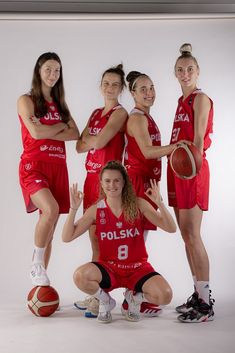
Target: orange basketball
186, 161
43, 301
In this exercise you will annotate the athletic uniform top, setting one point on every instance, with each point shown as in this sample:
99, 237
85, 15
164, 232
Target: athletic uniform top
46, 150
134, 159
183, 127
120, 242
96, 159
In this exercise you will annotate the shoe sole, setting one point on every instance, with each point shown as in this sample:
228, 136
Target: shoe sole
205, 319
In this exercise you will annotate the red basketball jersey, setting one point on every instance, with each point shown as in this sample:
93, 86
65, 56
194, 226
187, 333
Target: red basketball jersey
46, 150
119, 241
96, 159
134, 159
183, 127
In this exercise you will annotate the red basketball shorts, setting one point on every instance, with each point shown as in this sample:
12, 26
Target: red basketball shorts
187, 193
141, 185
126, 276
91, 190
36, 175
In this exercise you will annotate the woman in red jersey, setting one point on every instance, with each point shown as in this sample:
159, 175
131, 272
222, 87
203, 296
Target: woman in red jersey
45, 124
103, 140
193, 122
122, 261
143, 150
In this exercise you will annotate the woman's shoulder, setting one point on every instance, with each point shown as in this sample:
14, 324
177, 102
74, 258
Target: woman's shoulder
25, 100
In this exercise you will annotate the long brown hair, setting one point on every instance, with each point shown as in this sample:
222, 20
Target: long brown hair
129, 200
57, 92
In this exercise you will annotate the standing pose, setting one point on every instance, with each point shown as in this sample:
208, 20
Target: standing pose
122, 262
143, 150
193, 122
45, 124
103, 139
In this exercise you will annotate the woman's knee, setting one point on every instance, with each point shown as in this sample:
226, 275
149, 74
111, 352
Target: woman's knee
51, 212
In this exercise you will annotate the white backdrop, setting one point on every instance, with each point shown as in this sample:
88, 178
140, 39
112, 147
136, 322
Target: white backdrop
87, 47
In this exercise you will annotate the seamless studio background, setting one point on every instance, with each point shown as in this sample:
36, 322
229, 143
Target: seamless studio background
87, 47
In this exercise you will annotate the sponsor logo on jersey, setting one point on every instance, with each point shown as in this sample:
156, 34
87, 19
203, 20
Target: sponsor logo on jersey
51, 148
27, 166
93, 165
102, 214
43, 148
156, 171
102, 221
120, 234
52, 107
38, 181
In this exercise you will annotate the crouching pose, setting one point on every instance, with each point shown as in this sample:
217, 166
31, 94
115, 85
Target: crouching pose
119, 218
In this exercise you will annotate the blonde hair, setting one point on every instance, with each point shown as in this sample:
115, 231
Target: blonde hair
186, 52
129, 199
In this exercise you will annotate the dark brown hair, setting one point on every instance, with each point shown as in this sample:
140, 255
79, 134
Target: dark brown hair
118, 70
132, 78
57, 91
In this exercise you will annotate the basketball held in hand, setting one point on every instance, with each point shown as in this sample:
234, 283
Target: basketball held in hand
186, 161
43, 301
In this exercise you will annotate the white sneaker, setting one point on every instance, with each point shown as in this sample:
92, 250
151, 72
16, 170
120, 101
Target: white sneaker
134, 303
83, 304
38, 275
105, 308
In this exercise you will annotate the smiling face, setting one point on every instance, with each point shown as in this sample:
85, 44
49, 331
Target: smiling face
144, 93
187, 72
111, 86
112, 183
50, 73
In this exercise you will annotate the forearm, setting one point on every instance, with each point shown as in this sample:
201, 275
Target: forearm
81, 146
167, 221
155, 152
46, 131
69, 134
69, 227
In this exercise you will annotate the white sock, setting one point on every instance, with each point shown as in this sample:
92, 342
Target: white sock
102, 295
203, 291
38, 255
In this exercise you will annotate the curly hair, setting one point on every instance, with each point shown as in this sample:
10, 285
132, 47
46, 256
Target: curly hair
129, 199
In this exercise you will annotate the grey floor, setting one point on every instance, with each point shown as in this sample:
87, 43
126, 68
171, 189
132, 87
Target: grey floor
67, 331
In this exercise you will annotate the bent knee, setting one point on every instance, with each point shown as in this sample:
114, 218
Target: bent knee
167, 295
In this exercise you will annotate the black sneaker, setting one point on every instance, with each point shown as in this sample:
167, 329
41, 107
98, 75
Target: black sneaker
189, 305
201, 313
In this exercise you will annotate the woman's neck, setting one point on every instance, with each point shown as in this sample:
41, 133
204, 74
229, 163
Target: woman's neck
144, 109
187, 91
109, 104
46, 93
115, 204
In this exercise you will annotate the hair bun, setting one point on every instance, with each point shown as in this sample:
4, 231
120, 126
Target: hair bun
186, 49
